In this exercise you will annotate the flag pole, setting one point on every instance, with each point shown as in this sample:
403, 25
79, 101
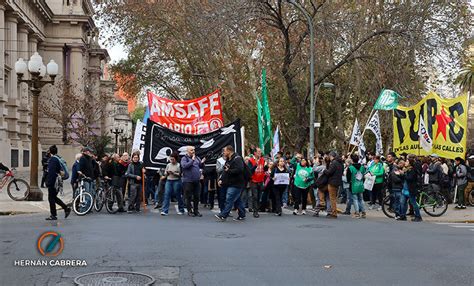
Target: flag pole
143, 190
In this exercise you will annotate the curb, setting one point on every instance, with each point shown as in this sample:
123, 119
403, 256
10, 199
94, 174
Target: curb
11, 213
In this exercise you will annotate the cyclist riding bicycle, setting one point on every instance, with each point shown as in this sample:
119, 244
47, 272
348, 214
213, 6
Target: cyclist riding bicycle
3, 170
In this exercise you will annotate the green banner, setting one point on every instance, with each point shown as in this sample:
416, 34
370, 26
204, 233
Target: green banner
388, 100
260, 123
267, 123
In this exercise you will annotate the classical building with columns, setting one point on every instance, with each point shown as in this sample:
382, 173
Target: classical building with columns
61, 30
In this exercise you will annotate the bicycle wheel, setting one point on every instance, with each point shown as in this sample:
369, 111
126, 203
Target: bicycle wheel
82, 203
387, 208
99, 201
434, 204
111, 201
18, 189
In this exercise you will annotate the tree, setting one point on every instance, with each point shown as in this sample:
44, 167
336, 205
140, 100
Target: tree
186, 49
465, 79
79, 113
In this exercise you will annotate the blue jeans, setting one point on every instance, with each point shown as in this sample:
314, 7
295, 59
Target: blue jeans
233, 198
221, 198
284, 197
173, 186
404, 205
358, 201
397, 194
349, 200
149, 188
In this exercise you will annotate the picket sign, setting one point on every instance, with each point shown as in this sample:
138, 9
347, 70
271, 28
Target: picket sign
369, 182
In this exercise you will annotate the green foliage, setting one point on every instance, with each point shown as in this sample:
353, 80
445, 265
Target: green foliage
138, 114
101, 145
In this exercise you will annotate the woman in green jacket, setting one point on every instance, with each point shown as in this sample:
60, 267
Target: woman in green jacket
303, 181
378, 171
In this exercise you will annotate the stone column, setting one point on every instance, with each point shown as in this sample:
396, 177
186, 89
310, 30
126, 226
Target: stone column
11, 84
23, 89
4, 141
3, 96
76, 69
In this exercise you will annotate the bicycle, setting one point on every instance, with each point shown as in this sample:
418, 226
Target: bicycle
433, 203
83, 202
100, 196
17, 189
111, 202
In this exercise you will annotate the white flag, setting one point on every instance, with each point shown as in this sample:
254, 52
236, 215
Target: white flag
356, 138
139, 138
276, 142
374, 126
425, 139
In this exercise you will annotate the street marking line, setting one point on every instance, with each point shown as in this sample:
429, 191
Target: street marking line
462, 226
455, 223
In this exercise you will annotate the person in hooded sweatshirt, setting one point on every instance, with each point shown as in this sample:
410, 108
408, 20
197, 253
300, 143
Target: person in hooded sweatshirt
355, 177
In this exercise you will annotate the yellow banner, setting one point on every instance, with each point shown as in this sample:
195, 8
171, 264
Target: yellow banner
445, 121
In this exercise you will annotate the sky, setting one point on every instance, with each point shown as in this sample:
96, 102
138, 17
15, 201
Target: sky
116, 52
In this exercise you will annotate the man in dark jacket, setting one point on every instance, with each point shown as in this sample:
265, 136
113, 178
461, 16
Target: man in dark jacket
191, 166
86, 168
396, 179
334, 174
233, 179
435, 172
54, 169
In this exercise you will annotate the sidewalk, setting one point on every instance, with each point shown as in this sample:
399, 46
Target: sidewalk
451, 215
11, 207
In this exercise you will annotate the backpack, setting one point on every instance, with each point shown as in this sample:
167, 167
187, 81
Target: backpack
358, 180
64, 170
470, 175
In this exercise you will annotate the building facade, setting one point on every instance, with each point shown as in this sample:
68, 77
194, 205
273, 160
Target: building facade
59, 30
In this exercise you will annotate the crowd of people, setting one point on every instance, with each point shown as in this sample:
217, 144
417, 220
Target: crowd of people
257, 184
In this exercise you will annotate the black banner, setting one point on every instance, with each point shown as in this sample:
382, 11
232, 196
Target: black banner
160, 142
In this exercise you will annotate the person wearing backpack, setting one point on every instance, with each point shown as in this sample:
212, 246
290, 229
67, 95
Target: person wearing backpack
461, 181
54, 170
355, 177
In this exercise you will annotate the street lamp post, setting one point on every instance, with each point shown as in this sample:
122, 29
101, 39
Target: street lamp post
311, 71
37, 71
117, 131
126, 136
321, 85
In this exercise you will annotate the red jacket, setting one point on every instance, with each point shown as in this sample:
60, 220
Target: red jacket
259, 173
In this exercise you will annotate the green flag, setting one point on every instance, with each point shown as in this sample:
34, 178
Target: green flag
388, 100
267, 123
260, 123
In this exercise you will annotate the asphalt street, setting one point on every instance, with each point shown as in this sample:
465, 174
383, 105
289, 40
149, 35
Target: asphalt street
270, 250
